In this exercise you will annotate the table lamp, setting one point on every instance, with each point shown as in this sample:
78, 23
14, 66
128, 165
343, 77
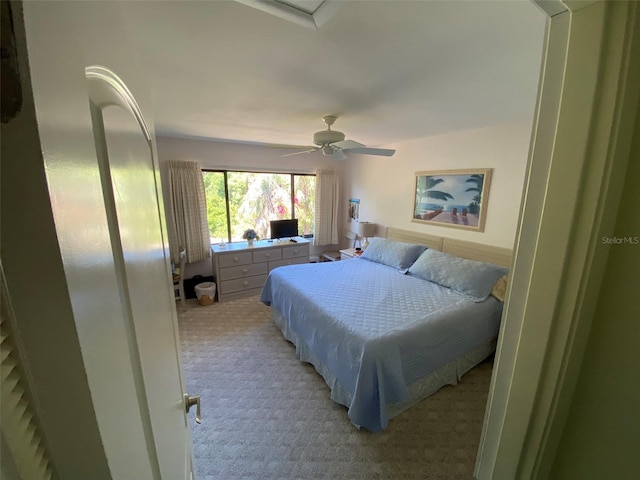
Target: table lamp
366, 230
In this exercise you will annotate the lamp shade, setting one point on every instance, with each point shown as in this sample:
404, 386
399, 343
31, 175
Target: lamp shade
367, 229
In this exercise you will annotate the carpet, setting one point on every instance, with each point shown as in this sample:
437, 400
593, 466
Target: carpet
266, 415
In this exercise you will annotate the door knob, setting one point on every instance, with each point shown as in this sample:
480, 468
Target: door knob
190, 402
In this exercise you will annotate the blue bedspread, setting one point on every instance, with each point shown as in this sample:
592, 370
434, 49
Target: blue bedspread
375, 329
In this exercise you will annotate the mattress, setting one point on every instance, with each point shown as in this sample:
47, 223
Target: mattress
374, 331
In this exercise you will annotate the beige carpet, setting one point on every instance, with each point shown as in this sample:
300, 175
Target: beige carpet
266, 415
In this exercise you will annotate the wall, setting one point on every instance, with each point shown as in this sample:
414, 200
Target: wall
608, 388
133, 389
385, 186
589, 94
44, 328
235, 156
78, 374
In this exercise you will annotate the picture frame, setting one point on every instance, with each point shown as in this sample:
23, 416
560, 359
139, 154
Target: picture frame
354, 210
452, 198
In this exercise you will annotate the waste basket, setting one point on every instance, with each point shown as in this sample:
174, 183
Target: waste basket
206, 292
190, 284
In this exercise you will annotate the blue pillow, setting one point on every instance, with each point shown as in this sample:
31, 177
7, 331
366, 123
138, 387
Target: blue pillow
398, 255
469, 277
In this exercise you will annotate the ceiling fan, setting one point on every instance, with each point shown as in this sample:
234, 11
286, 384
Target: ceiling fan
332, 144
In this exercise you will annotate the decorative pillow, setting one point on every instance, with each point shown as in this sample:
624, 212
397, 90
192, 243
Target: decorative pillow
469, 277
500, 288
398, 255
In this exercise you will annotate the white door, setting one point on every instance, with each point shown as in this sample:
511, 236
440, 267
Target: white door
128, 176
103, 185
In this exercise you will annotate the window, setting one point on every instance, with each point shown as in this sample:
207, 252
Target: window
240, 200
215, 188
304, 197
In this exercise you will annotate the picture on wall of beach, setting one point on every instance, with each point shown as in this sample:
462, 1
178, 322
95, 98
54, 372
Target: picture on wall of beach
452, 198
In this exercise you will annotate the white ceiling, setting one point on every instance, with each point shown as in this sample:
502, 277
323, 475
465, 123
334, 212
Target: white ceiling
390, 70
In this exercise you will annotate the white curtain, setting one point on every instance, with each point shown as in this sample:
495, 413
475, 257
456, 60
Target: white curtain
326, 208
187, 222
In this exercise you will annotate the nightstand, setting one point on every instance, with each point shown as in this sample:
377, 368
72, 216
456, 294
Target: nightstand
347, 253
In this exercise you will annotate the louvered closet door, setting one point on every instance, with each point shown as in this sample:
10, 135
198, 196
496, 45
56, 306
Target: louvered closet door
20, 433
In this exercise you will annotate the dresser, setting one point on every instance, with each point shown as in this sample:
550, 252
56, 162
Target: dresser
241, 270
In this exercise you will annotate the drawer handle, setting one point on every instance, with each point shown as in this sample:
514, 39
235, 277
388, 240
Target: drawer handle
268, 255
295, 250
235, 259
244, 270
245, 283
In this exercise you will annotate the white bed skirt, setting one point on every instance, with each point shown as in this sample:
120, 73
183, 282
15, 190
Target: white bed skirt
449, 374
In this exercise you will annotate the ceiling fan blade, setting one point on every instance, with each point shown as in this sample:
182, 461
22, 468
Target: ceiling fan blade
347, 144
355, 147
338, 155
332, 144
385, 152
299, 153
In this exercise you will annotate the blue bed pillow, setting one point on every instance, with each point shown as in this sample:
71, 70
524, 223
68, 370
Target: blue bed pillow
398, 255
469, 277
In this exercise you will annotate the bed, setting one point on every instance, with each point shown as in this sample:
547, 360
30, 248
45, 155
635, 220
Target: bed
391, 328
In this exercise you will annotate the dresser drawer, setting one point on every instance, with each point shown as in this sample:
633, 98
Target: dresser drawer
295, 251
229, 273
241, 270
267, 255
232, 259
241, 284
288, 261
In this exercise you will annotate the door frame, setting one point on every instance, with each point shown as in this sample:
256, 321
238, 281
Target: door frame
579, 151
61, 329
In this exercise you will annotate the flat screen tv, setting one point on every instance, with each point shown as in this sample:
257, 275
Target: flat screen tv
284, 228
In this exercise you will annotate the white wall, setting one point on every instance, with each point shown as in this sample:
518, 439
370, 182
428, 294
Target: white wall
235, 156
61, 238
385, 186
608, 390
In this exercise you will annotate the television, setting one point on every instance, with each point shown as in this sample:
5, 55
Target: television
284, 228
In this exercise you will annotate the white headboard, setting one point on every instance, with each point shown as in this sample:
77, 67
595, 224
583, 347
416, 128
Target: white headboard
471, 250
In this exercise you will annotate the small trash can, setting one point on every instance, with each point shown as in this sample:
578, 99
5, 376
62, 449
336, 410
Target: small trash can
206, 292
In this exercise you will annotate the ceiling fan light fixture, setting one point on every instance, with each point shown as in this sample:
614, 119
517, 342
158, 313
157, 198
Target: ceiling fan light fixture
324, 137
332, 144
